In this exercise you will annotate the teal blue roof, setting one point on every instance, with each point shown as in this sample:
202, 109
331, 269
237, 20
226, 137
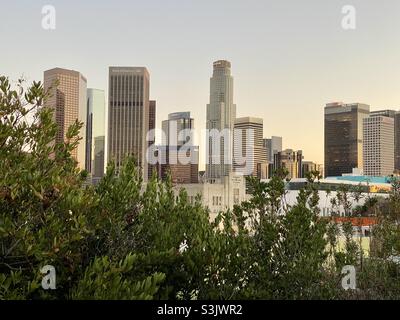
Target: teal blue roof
363, 179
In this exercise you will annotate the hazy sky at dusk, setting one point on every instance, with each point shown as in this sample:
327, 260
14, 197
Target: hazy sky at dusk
288, 57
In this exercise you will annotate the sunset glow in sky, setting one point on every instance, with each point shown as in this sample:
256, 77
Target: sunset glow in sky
288, 57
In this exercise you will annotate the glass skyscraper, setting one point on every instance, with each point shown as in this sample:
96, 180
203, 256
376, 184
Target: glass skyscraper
95, 133
344, 137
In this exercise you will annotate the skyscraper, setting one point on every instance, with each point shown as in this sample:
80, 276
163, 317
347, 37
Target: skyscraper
128, 115
272, 146
178, 140
221, 115
397, 141
152, 118
290, 160
152, 126
250, 157
396, 116
67, 89
378, 145
176, 123
95, 134
344, 137
309, 167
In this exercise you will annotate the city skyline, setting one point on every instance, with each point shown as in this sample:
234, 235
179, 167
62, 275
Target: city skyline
287, 57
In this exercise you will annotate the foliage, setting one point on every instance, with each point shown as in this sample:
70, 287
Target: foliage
125, 239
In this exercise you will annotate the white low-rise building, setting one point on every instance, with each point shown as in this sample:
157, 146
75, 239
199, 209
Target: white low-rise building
222, 196
218, 196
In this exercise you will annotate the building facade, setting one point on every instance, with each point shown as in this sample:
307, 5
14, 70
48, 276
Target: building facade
95, 134
290, 160
344, 137
152, 138
178, 157
250, 156
309, 167
397, 141
272, 146
221, 115
378, 145
128, 115
67, 96
217, 197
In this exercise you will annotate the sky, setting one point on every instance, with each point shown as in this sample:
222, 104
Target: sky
289, 57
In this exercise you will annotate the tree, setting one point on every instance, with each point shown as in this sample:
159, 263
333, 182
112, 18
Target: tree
47, 217
124, 239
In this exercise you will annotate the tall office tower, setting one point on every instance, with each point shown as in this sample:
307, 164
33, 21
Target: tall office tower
221, 115
378, 142
309, 167
396, 116
272, 146
128, 115
152, 118
177, 122
397, 141
343, 137
95, 134
291, 160
67, 89
384, 113
177, 133
250, 156
152, 126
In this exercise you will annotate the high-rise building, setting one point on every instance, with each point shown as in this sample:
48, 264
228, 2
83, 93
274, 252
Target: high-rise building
95, 134
272, 146
250, 157
384, 113
67, 95
152, 126
397, 141
396, 116
221, 115
178, 156
128, 115
176, 124
290, 160
152, 118
309, 167
344, 137
378, 145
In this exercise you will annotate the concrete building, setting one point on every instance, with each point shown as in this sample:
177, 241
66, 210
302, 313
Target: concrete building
218, 196
291, 161
344, 137
396, 116
308, 167
250, 156
177, 155
221, 115
397, 141
378, 147
181, 164
67, 90
128, 115
176, 129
